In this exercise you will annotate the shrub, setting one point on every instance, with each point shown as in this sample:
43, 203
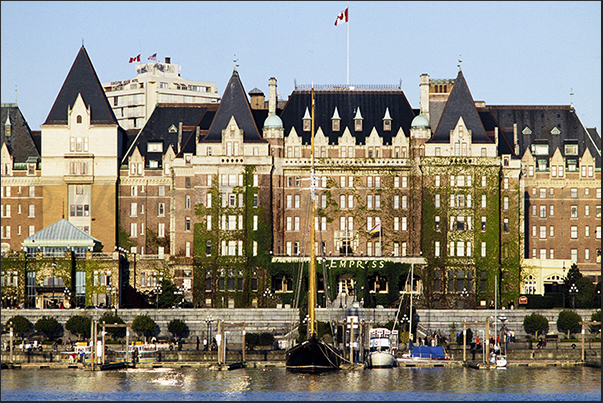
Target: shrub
252, 340
177, 327
114, 332
49, 326
21, 325
459, 339
535, 323
79, 325
144, 324
568, 321
266, 339
595, 317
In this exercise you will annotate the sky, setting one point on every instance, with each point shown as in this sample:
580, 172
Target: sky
512, 53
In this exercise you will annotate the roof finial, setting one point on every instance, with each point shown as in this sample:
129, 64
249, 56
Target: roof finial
460, 61
15, 93
571, 98
236, 62
82, 42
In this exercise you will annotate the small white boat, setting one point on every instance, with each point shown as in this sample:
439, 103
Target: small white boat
380, 354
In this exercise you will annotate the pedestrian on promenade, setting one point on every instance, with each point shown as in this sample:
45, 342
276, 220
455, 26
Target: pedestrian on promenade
205, 344
197, 342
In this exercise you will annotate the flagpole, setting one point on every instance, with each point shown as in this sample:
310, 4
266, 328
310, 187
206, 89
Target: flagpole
348, 23
380, 243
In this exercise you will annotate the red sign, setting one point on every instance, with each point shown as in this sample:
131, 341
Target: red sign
523, 299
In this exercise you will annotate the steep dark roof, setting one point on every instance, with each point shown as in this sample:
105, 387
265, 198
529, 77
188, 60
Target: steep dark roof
372, 104
157, 128
460, 104
20, 143
82, 79
541, 120
234, 103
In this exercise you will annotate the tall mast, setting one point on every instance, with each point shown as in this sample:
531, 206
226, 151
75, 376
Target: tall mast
312, 272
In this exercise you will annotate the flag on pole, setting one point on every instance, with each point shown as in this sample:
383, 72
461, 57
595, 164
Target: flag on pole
135, 59
375, 229
342, 17
153, 57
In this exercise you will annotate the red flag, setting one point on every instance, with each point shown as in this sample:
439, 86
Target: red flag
135, 59
342, 17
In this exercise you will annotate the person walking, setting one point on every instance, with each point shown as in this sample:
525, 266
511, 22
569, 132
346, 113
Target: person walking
205, 344
197, 343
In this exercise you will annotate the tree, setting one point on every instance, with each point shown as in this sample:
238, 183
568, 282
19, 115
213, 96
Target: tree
586, 290
112, 319
266, 339
21, 325
144, 324
535, 323
572, 276
568, 321
177, 327
469, 337
252, 340
169, 296
49, 326
79, 325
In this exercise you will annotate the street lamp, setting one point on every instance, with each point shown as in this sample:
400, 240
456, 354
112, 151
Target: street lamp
404, 322
573, 291
464, 295
208, 322
157, 289
54, 266
267, 295
503, 319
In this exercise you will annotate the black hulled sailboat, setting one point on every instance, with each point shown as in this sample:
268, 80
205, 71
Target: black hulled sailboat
312, 355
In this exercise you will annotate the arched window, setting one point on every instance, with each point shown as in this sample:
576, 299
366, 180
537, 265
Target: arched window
78, 119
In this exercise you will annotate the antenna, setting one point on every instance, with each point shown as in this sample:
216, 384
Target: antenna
571, 98
15, 93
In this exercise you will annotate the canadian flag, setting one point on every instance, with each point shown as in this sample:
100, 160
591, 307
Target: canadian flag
135, 59
342, 17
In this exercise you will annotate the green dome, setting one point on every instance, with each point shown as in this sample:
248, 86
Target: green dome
273, 122
420, 122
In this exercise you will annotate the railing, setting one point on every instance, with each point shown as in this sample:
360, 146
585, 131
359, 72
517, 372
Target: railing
348, 87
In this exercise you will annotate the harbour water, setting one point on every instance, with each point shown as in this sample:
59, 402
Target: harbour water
275, 383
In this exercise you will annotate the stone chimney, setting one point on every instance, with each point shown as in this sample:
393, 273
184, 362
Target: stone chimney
424, 87
271, 96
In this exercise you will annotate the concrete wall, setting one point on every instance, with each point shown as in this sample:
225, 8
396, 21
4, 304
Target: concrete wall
279, 320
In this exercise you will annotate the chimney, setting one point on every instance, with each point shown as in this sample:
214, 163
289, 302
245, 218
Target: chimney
168, 60
424, 91
271, 96
179, 136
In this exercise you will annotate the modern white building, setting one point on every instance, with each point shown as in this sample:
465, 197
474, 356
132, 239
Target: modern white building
133, 100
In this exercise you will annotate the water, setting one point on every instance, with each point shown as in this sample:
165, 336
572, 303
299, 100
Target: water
433, 383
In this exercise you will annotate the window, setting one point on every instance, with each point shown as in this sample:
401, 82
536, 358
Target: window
574, 193
187, 224
187, 202
551, 231
587, 231
543, 193
437, 248
506, 203
437, 181
483, 223
543, 232
404, 227
574, 211
32, 210
483, 249
437, 201
437, 222
404, 201
542, 211
551, 210
574, 255
483, 201
574, 232
505, 224
160, 209
133, 209
483, 181
133, 230
161, 230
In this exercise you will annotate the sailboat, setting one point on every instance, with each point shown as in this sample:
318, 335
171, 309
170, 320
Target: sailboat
312, 355
498, 359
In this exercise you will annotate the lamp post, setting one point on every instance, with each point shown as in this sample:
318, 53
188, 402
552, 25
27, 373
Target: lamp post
503, 319
464, 295
67, 295
573, 291
404, 322
54, 266
208, 322
267, 295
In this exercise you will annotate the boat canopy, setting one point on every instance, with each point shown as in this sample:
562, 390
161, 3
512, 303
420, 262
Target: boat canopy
436, 352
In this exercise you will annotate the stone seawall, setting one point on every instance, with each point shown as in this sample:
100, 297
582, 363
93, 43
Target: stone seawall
280, 321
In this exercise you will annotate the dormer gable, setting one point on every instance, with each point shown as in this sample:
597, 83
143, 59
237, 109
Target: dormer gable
400, 144
136, 163
374, 144
78, 117
460, 138
528, 163
6, 161
335, 121
168, 160
358, 120
557, 165
232, 139
387, 121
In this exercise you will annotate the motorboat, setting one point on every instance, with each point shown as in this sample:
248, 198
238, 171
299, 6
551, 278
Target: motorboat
380, 354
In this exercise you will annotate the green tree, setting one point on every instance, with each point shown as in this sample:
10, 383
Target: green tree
595, 317
21, 325
177, 327
114, 332
169, 296
79, 325
145, 325
266, 339
252, 340
49, 326
568, 321
586, 290
535, 323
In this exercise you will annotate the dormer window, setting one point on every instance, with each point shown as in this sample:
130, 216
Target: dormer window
8, 128
155, 147
387, 121
172, 129
307, 121
335, 121
555, 131
526, 131
358, 121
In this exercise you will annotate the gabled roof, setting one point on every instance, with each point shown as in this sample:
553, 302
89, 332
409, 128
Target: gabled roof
21, 143
163, 125
60, 233
234, 103
460, 104
82, 79
372, 103
541, 120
